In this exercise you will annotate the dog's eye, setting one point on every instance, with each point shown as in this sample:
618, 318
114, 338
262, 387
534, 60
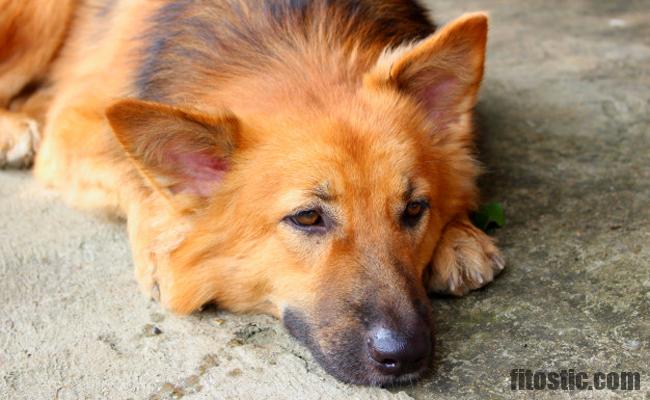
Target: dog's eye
414, 209
413, 212
310, 220
307, 218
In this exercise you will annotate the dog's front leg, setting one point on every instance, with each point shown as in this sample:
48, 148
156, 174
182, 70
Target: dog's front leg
155, 230
465, 259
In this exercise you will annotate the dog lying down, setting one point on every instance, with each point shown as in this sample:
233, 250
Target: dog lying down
312, 160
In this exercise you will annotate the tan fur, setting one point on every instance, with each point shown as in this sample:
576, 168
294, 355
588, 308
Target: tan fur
314, 110
31, 33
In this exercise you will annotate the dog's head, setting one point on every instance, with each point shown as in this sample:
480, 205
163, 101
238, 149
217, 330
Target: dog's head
325, 214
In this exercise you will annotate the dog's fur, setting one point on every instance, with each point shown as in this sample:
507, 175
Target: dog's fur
209, 124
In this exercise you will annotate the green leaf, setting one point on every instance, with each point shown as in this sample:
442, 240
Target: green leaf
489, 217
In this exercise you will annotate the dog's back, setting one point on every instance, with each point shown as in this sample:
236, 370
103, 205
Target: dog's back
168, 51
193, 42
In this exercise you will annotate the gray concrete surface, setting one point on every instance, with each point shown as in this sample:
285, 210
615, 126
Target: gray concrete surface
565, 122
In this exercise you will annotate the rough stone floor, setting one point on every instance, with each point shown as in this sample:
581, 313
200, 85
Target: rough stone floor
565, 138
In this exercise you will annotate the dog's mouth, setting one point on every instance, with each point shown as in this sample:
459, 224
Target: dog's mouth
377, 357
403, 377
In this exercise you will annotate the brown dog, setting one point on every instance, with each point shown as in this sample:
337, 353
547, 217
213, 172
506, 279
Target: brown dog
308, 159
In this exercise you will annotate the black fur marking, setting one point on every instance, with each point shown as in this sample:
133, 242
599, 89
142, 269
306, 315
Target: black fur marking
296, 323
152, 67
105, 8
344, 362
197, 40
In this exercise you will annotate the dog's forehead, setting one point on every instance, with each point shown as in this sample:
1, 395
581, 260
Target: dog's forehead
340, 153
359, 166
360, 145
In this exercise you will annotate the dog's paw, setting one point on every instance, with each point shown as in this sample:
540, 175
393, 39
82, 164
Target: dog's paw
465, 259
19, 139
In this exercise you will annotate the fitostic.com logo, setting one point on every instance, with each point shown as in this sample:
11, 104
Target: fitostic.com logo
570, 379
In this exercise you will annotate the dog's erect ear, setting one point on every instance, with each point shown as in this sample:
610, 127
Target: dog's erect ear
177, 150
442, 72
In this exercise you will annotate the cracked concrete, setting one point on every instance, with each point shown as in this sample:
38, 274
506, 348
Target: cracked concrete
565, 123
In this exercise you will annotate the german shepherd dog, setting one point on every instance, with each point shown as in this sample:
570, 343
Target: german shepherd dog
313, 160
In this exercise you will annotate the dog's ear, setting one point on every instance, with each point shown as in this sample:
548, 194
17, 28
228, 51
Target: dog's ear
442, 72
177, 150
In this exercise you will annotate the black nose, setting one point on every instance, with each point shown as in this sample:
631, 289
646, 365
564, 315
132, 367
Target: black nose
396, 353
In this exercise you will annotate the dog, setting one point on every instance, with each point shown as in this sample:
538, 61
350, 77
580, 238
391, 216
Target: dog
312, 160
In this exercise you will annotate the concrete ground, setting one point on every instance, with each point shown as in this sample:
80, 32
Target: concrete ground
565, 122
